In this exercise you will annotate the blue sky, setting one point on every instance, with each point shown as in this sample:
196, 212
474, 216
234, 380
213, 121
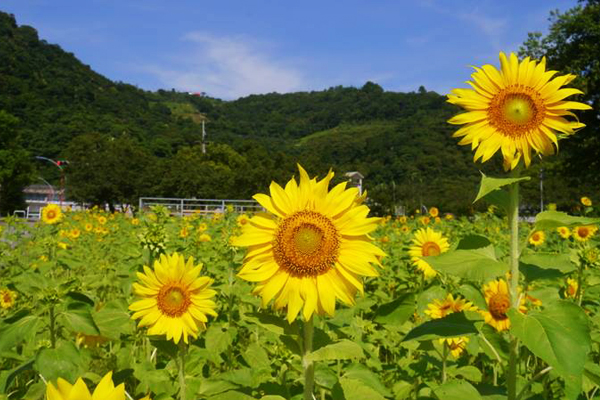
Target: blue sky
235, 48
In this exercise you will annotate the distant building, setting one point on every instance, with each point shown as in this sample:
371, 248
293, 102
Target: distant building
38, 196
355, 179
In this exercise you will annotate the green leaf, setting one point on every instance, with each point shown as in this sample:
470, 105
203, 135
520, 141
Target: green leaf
556, 219
62, 362
365, 375
20, 328
113, 319
488, 185
559, 335
232, 395
561, 262
396, 312
473, 242
455, 324
217, 340
256, 356
272, 323
456, 390
78, 319
356, 389
467, 372
475, 265
342, 350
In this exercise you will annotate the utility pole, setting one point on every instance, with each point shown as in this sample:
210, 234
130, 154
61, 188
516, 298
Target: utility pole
203, 138
541, 189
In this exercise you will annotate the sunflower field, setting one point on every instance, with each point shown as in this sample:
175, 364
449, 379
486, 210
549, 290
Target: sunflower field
315, 298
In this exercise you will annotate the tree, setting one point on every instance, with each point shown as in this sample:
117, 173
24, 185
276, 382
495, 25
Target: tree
572, 45
16, 168
104, 170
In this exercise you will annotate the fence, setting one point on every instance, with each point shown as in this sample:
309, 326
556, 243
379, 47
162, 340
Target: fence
192, 206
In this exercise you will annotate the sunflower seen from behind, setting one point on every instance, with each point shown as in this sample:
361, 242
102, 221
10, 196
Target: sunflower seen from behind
517, 110
311, 248
425, 243
175, 299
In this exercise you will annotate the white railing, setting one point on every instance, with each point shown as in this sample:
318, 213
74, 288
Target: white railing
192, 206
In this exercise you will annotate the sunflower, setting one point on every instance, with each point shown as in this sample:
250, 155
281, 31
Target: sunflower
449, 217
516, 110
242, 220
51, 214
498, 303
184, 232
205, 237
402, 219
584, 233
105, 390
7, 298
571, 289
586, 201
427, 242
75, 233
89, 227
404, 229
537, 238
564, 232
425, 220
102, 220
441, 308
434, 212
311, 248
456, 345
135, 221
175, 299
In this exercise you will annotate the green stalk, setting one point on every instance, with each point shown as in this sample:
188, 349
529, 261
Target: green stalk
308, 365
513, 221
182, 352
52, 327
444, 358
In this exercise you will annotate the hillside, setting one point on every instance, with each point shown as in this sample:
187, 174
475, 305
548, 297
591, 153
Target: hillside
399, 141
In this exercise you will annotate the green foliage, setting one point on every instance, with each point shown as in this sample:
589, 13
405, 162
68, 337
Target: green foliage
16, 169
572, 45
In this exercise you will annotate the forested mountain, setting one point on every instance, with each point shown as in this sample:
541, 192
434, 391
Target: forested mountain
123, 142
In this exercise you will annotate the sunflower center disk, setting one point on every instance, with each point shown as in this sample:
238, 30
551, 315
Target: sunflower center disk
51, 214
431, 249
498, 306
173, 300
306, 244
516, 110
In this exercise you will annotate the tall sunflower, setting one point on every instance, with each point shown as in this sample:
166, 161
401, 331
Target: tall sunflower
311, 248
7, 298
584, 233
105, 390
51, 214
441, 308
427, 242
175, 299
516, 110
537, 238
498, 303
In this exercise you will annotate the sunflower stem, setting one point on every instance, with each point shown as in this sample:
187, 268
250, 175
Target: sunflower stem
513, 221
444, 358
52, 328
579, 292
182, 353
307, 364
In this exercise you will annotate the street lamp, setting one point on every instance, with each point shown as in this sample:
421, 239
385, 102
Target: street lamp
59, 164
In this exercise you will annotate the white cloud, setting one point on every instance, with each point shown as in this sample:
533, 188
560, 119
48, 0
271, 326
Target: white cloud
228, 67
